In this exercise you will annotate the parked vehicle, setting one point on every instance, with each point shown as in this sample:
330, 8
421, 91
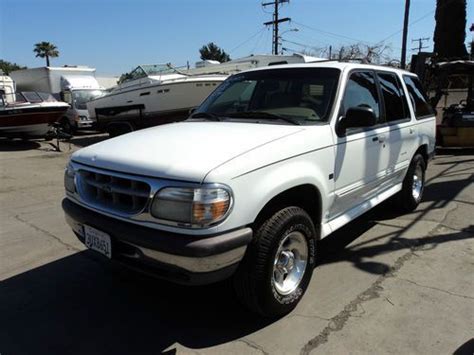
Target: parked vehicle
74, 85
274, 160
26, 114
158, 94
457, 124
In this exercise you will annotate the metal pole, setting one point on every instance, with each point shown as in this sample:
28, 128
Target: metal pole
405, 34
275, 44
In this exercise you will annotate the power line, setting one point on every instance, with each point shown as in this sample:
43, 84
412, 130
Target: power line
247, 40
259, 39
417, 20
303, 45
350, 39
300, 37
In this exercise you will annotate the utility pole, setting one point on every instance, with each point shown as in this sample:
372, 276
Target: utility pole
420, 43
276, 21
330, 52
405, 34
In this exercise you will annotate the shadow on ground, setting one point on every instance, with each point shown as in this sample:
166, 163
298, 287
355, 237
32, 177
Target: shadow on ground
454, 151
12, 145
84, 139
78, 305
340, 245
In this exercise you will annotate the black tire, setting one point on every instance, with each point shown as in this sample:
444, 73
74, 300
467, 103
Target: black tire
254, 280
407, 199
66, 126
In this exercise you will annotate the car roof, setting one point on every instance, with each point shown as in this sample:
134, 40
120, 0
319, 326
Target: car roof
343, 66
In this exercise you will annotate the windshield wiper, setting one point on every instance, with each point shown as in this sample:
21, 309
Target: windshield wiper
206, 115
263, 115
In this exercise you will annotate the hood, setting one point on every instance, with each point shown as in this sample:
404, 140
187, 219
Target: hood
182, 151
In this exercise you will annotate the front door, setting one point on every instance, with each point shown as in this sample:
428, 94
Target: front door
359, 159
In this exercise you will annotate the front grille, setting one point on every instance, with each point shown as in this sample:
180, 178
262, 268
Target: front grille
114, 193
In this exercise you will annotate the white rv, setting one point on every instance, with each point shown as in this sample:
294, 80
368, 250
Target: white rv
75, 85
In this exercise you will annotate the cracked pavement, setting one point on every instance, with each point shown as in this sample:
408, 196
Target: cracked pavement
386, 283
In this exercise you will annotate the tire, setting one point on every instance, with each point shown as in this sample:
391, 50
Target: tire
410, 196
259, 282
66, 126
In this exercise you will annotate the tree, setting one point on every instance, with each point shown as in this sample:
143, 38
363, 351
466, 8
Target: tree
8, 67
450, 30
375, 54
212, 52
46, 50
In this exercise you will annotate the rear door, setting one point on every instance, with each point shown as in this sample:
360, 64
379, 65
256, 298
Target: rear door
400, 135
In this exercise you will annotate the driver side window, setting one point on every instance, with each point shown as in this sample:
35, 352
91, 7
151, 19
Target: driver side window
361, 91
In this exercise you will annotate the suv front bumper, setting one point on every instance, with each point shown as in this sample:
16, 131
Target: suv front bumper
182, 258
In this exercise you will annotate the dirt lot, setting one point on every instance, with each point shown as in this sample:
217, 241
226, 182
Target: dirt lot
385, 284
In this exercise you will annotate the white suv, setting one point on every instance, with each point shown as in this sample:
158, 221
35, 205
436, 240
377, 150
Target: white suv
274, 160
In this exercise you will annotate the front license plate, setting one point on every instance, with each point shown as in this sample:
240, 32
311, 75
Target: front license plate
98, 241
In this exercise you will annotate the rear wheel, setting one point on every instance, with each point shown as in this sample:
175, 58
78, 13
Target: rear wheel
413, 185
278, 265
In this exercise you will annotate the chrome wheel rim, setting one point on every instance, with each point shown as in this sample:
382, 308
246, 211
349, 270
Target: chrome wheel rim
290, 263
417, 186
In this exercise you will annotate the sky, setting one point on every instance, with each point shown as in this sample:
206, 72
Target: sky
115, 36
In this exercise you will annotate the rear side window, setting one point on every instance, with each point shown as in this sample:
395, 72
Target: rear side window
418, 97
361, 91
396, 107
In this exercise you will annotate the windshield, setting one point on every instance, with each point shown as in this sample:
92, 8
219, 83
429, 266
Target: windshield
305, 95
80, 97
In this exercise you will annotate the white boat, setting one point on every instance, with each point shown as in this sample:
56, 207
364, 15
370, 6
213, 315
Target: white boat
157, 94
27, 114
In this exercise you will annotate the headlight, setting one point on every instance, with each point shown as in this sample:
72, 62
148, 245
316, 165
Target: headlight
69, 177
191, 206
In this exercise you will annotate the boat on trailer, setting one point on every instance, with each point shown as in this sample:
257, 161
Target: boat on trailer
27, 114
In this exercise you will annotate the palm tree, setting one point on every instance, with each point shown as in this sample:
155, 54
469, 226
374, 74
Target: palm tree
46, 50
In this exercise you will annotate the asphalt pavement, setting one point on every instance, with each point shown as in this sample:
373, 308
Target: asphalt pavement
385, 284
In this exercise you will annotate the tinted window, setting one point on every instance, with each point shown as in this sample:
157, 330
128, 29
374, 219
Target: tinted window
418, 98
394, 99
361, 92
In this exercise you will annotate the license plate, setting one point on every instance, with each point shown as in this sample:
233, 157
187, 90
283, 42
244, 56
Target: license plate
98, 241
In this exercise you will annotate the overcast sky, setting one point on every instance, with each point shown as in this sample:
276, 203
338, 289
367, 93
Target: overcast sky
116, 35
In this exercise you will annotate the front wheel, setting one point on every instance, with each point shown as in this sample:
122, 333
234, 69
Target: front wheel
66, 126
278, 265
413, 185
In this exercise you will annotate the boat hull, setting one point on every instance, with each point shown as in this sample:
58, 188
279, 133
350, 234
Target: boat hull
153, 104
28, 121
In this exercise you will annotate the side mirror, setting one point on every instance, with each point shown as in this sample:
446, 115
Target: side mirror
357, 117
66, 97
